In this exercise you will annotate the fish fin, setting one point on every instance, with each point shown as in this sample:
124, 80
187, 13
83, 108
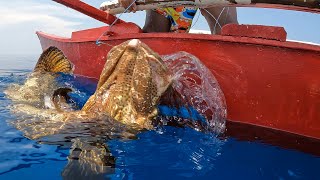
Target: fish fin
53, 60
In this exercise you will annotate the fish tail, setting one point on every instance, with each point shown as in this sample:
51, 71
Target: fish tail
53, 60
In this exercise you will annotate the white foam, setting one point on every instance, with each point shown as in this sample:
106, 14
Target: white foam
48, 103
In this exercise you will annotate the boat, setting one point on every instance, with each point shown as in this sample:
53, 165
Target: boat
271, 85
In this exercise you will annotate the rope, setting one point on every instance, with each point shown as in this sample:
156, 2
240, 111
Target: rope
98, 42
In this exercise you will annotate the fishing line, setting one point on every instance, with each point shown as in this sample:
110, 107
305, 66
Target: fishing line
215, 26
195, 21
213, 18
98, 42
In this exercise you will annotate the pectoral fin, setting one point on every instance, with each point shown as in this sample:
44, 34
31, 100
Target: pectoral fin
53, 60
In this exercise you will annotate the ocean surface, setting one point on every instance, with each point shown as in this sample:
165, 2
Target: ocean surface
165, 153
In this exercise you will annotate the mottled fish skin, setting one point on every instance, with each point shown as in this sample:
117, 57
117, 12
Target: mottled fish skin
130, 85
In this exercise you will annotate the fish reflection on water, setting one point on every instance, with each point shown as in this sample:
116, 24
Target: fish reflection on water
194, 94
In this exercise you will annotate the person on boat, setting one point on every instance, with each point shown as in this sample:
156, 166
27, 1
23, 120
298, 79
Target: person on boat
179, 19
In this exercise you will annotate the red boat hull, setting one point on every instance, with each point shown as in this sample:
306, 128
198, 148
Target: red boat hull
266, 83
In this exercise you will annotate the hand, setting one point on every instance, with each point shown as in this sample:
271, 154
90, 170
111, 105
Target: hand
126, 4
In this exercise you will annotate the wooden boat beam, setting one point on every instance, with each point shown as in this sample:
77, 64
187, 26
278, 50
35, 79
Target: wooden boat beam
89, 11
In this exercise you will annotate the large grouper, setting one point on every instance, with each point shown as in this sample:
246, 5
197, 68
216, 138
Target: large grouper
124, 103
132, 81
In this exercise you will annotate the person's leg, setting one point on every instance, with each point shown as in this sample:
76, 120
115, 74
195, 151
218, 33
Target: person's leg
227, 15
156, 22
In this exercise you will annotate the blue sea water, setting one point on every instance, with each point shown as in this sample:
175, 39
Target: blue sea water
165, 153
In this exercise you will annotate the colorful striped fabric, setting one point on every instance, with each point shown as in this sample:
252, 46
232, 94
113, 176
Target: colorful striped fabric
180, 17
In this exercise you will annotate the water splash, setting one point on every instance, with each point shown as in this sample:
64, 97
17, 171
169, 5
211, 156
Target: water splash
195, 93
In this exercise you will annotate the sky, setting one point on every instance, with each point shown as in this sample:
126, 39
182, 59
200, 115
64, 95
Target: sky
20, 19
